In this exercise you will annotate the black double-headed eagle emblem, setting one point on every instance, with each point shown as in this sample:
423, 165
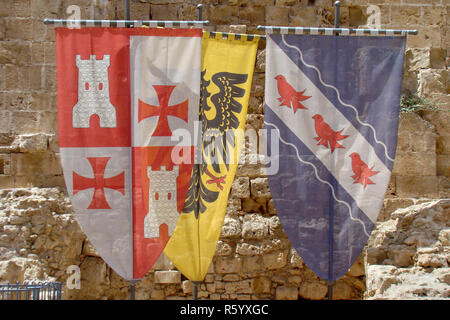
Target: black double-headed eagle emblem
218, 138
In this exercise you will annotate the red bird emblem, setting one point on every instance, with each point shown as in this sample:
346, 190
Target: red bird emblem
326, 135
288, 96
361, 171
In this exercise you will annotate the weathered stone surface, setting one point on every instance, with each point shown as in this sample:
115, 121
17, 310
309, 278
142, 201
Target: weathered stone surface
261, 285
240, 187
255, 227
286, 293
260, 188
313, 290
402, 250
170, 276
231, 228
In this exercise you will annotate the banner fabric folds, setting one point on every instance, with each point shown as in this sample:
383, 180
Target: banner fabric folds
332, 102
121, 94
226, 78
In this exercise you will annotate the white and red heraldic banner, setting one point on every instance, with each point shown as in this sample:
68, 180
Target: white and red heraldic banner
124, 94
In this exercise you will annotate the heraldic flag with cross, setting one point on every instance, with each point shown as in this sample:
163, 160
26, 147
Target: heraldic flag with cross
126, 97
331, 103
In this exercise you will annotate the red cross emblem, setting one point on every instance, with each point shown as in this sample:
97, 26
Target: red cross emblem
99, 183
179, 110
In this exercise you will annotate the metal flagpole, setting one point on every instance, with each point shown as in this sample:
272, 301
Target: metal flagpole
127, 9
195, 289
132, 288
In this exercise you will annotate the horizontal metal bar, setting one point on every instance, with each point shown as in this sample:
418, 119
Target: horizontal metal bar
125, 23
331, 31
225, 35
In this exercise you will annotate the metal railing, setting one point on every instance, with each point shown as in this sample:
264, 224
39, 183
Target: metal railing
31, 291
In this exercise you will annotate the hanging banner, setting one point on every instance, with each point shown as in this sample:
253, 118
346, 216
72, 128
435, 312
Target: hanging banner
332, 103
121, 94
227, 71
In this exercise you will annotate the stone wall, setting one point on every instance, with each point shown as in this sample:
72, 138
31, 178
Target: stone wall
254, 258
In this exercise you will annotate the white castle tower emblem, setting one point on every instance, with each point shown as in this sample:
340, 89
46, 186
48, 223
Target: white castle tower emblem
162, 201
93, 93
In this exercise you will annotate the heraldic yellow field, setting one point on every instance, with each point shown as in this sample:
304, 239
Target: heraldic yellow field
227, 70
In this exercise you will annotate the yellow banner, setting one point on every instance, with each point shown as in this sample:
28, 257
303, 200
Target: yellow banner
227, 71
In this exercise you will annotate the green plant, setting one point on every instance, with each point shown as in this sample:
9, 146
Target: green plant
411, 102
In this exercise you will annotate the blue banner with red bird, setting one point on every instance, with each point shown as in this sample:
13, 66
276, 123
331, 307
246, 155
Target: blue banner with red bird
332, 102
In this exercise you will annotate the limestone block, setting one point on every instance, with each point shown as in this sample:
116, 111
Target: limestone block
227, 265
313, 290
252, 15
415, 164
444, 237
234, 205
255, 227
37, 142
15, 52
230, 277
277, 16
251, 169
434, 15
432, 261
417, 58
187, 287
406, 15
402, 256
260, 188
5, 164
223, 249
392, 204
305, 17
224, 15
141, 11
94, 276
388, 282
250, 205
247, 249
432, 81
18, 29
417, 186
240, 187
25, 122
31, 164
166, 277
444, 185
6, 181
261, 285
286, 293
442, 274
275, 260
252, 264
440, 119
437, 58
285, 2
443, 144
231, 228
428, 36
